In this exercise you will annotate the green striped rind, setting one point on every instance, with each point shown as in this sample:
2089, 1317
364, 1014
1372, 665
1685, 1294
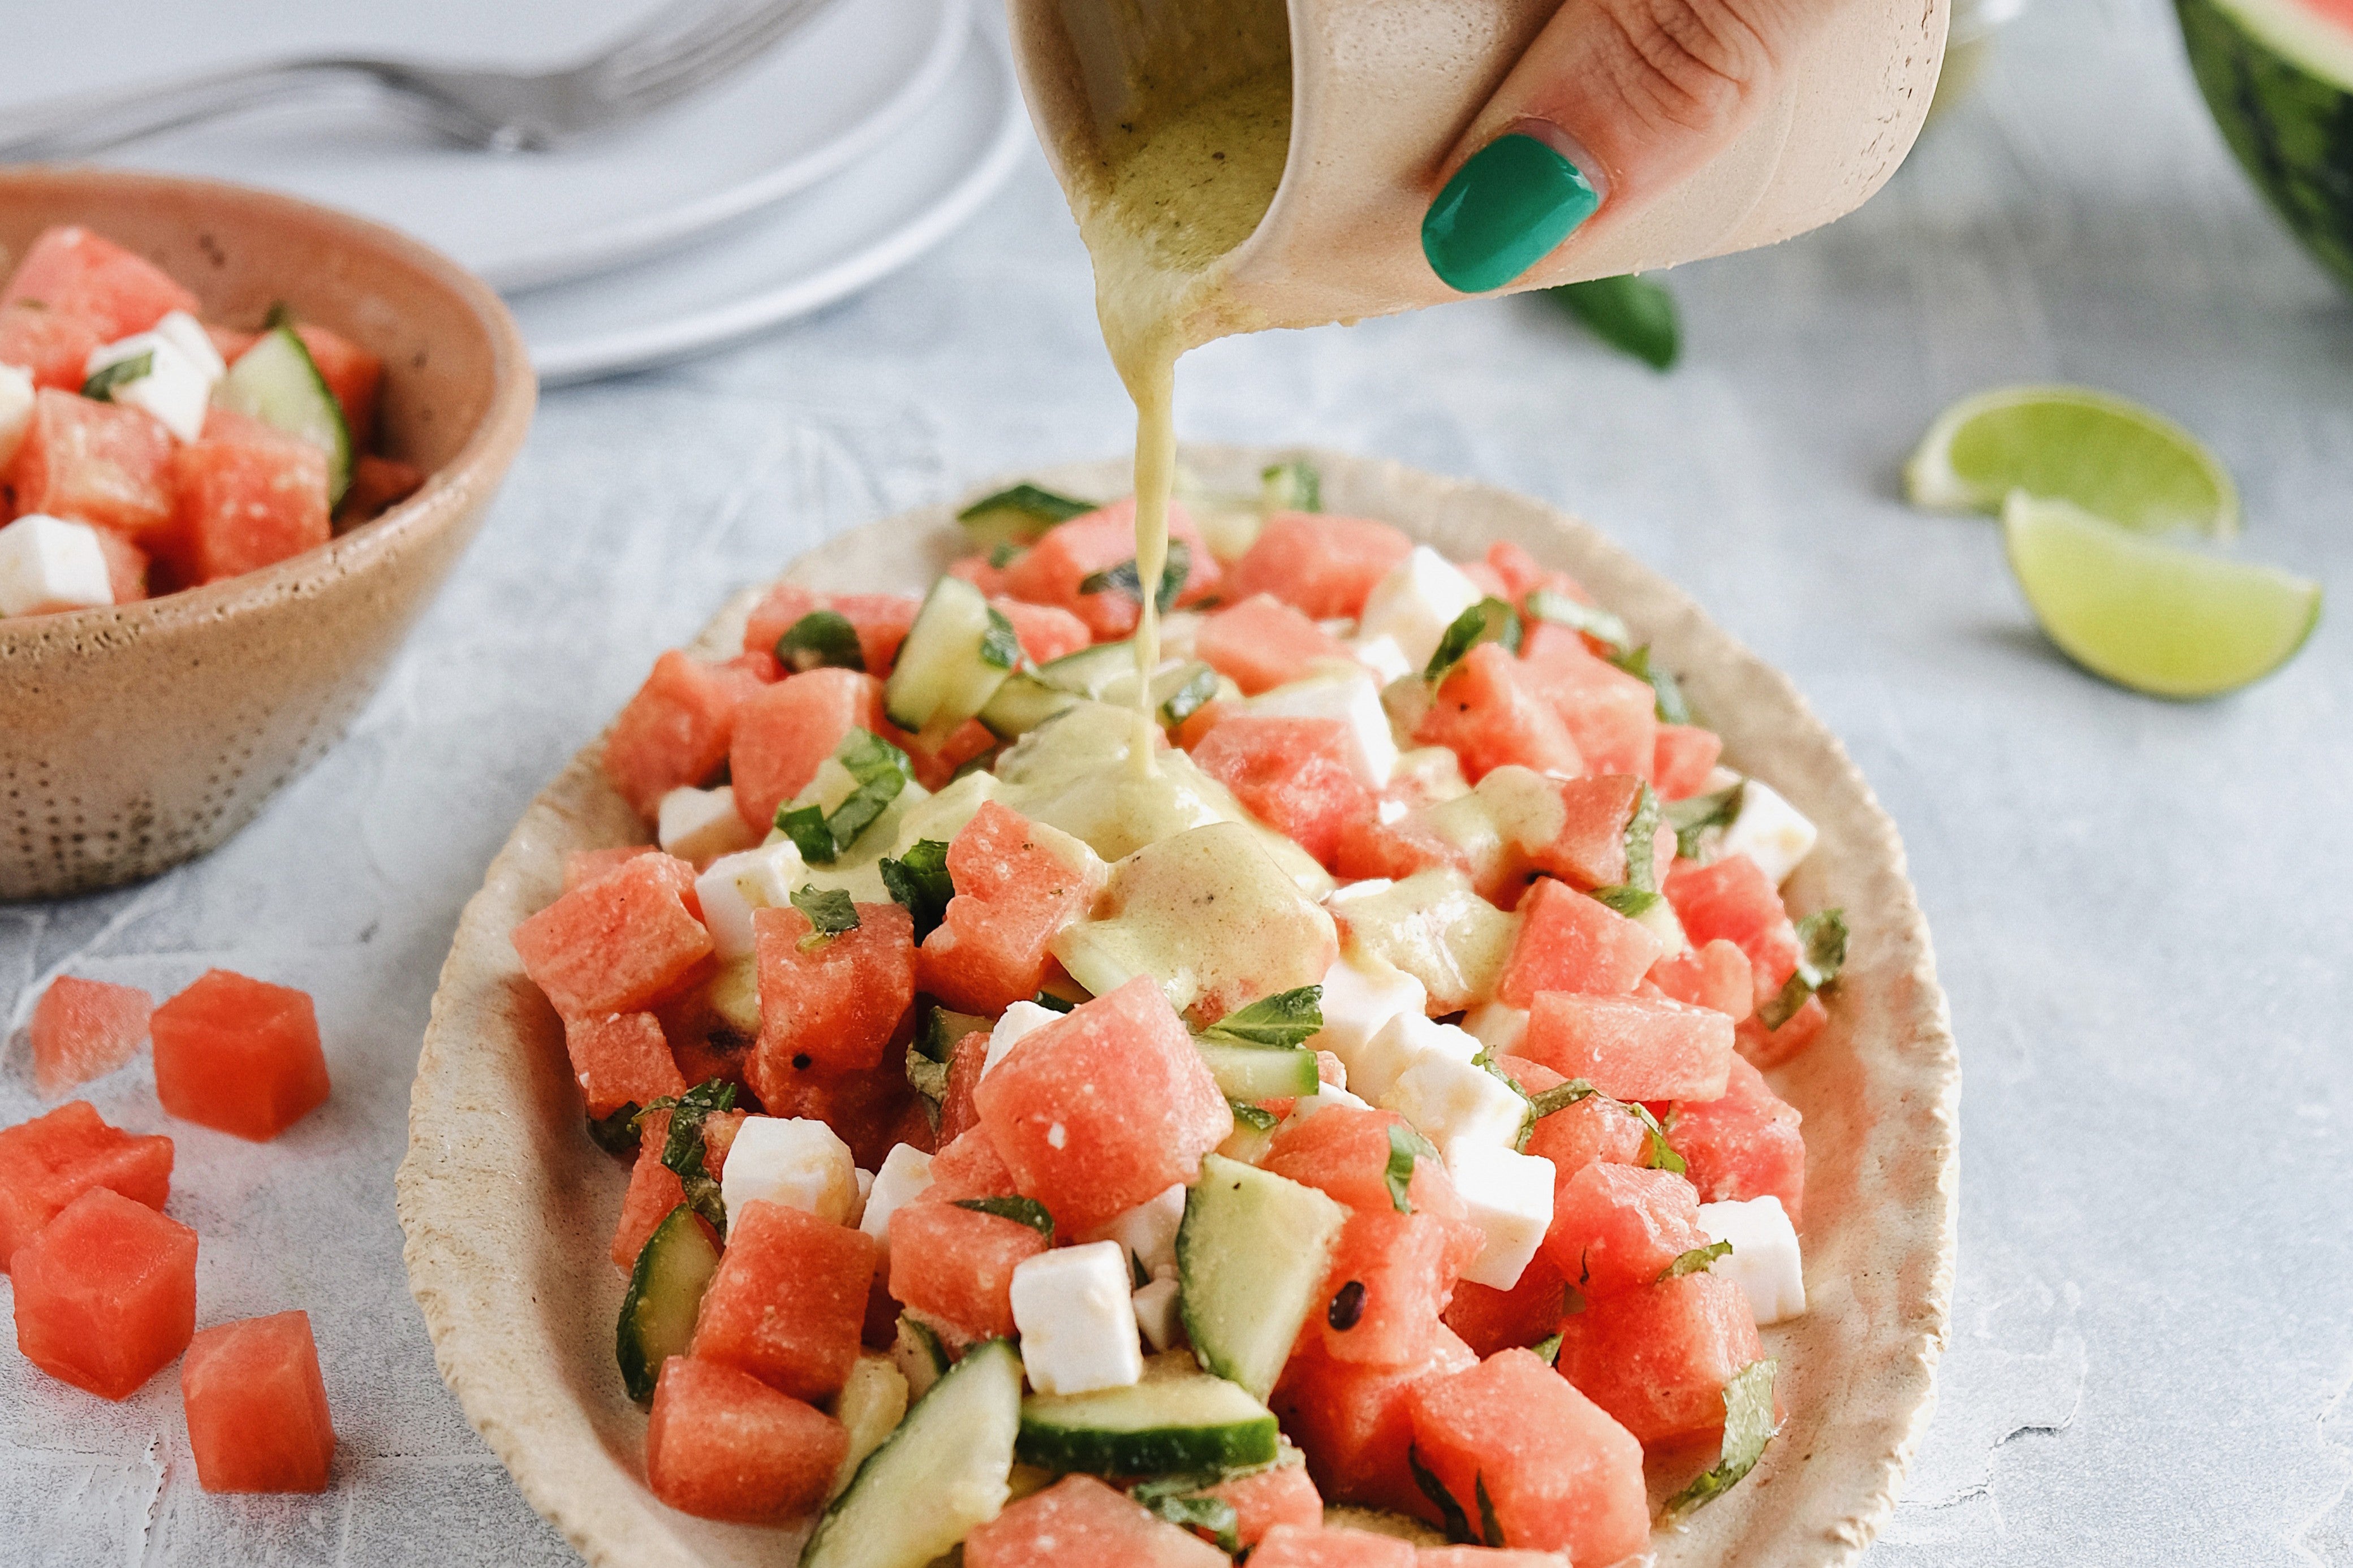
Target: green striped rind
2279, 91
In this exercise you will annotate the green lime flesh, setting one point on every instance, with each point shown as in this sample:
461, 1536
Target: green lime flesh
2107, 455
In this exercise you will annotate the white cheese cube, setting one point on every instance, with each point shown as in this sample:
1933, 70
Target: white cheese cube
702, 824
47, 563
793, 1161
1160, 1314
1356, 701
1148, 1232
1361, 995
1453, 1102
733, 886
1498, 1026
1416, 602
1382, 656
172, 387
1324, 1098
865, 1191
15, 409
1016, 1023
1764, 1261
1075, 1309
905, 1175
187, 334
1510, 1198
1399, 1043
1770, 831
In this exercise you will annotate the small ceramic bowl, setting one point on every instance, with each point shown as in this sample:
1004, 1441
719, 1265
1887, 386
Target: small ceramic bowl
134, 737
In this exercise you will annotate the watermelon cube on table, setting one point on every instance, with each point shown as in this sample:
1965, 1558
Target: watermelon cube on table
1104, 1106
105, 463
1745, 1144
71, 271
1055, 570
1558, 1474
248, 496
1568, 942
1017, 883
1618, 1227
239, 1055
47, 1162
621, 1058
106, 1294
1657, 1357
1079, 1522
83, 1029
956, 1265
1317, 1546
1320, 563
257, 1407
1630, 1047
1353, 1422
1294, 774
676, 731
721, 1444
784, 733
789, 1300
618, 945
1262, 643
831, 1004
1489, 713
1611, 715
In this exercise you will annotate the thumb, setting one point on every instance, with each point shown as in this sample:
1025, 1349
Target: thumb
1615, 101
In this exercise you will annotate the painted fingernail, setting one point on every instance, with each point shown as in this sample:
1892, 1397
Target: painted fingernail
1503, 211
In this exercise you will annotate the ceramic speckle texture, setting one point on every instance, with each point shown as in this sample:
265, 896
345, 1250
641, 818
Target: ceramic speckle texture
508, 1207
136, 736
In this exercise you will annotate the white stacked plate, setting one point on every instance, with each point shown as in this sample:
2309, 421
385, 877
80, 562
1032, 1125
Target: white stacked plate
865, 137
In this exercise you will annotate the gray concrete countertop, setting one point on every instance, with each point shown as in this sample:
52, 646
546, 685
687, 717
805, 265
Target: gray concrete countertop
2141, 908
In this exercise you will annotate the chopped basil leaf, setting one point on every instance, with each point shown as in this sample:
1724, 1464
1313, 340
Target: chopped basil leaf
1489, 1526
822, 639
1019, 515
1489, 620
1456, 1523
830, 911
999, 648
682, 1149
1281, 1021
1631, 903
1821, 953
1187, 700
1747, 1427
942, 1027
881, 770
1003, 554
120, 372
805, 826
1127, 577
1696, 1260
1294, 486
1193, 1510
929, 1078
1656, 1154
1028, 1211
1548, 1349
1406, 1146
1694, 814
919, 879
1631, 314
1641, 843
1544, 1102
1551, 604
616, 1133
1054, 1003
1667, 693
1255, 1116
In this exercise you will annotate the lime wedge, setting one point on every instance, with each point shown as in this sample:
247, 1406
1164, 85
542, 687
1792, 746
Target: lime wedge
2111, 456
2153, 616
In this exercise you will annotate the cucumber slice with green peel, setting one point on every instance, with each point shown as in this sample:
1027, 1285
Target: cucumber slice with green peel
666, 1289
941, 1473
1022, 703
956, 654
1252, 1255
1089, 671
920, 1357
1253, 1073
1020, 515
276, 382
1178, 687
1178, 1420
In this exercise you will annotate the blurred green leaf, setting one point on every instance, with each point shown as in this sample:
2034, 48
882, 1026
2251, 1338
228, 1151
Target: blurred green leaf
1626, 312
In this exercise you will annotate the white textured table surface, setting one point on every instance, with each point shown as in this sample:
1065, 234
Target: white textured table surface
2141, 909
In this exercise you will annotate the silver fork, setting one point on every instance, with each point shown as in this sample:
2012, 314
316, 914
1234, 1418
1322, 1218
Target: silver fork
683, 46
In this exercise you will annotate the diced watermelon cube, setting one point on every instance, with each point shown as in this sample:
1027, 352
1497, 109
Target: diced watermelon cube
977, 571
1488, 714
54, 347
249, 497
83, 1029
1371, 847
1051, 570
1079, 1522
1392, 1275
353, 376
126, 566
1045, 633
1104, 1106
50, 1161
1745, 1145
934, 763
582, 867
969, 1165
106, 463
677, 730
106, 1294
784, 732
1732, 898
835, 1004
257, 1407
618, 945
1264, 1498
1353, 1422
1490, 1320
1767, 1048
956, 1265
1589, 850
1294, 774
789, 1300
1560, 1474
1303, 1546
1715, 975
1571, 943
721, 1444
1630, 1047
1616, 1227
1262, 643
71, 271
1321, 565
239, 1055
868, 1110
882, 622
1017, 886
1658, 1357
1612, 716
1345, 1152
1682, 758
778, 611
654, 1190
1595, 1129
378, 485
621, 1058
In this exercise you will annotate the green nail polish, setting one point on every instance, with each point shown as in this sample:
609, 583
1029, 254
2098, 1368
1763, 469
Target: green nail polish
1503, 211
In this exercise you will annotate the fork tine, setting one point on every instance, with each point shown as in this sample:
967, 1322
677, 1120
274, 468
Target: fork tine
692, 62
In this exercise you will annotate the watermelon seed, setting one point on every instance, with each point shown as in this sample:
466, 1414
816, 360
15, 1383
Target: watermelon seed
1347, 1306
800, 1061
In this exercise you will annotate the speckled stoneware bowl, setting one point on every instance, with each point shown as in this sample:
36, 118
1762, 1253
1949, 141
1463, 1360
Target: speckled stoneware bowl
508, 1209
134, 737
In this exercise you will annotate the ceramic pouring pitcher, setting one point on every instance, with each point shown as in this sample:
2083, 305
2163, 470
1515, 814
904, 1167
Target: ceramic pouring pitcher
1381, 91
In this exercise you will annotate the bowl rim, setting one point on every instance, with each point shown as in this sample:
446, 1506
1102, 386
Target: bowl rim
487, 449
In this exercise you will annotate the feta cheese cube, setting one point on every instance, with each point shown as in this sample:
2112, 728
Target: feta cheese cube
1398, 1045
1361, 995
1764, 1261
1453, 1101
702, 824
47, 563
865, 1191
1770, 831
793, 1161
1324, 1098
1498, 1026
732, 886
1148, 1232
15, 409
1416, 602
1160, 1314
172, 386
1509, 1196
905, 1175
1075, 1309
187, 334
1017, 1022
1382, 656
1356, 701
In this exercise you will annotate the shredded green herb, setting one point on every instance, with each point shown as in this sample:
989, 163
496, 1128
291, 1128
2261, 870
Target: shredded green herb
616, 1133
682, 1149
1489, 620
1631, 903
1641, 843
1281, 1021
999, 648
1406, 1146
121, 373
830, 912
1019, 515
881, 770
1550, 605
1696, 1260
1256, 1116
1028, 1211
1294, 486
1656, 1154
919, 879
1821, 953
1747, 1427
1667, 693
822, 639
1694, 814
1054, 1003
1489, 1526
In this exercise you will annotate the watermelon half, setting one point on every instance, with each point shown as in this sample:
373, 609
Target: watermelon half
2278, 76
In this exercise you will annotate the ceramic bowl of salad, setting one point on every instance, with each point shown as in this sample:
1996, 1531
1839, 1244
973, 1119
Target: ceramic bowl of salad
242, 440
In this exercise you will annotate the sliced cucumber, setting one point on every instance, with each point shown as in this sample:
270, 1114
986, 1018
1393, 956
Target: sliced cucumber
956, 654
937, 1035
1089, 671
871, 1404
1253, 1073
1250, 1261
1178, 687
920, 1357
1178, 1419
665, 1291
276, 382
943, 1472
1021, 704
